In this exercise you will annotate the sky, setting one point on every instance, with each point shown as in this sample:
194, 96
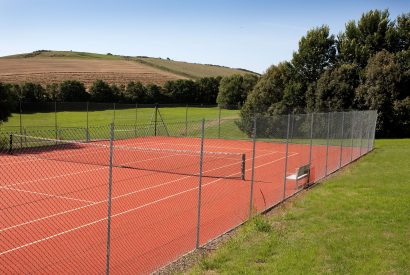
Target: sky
249, 34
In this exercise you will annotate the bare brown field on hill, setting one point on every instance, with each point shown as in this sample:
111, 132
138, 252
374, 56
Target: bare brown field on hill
51, 70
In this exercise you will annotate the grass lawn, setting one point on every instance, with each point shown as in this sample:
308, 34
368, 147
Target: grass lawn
72, 124
122, 116
356, 222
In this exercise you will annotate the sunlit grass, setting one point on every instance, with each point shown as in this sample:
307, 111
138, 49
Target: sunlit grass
356, 222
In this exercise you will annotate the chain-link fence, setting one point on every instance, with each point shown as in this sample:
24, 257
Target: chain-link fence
132, 197
83, 115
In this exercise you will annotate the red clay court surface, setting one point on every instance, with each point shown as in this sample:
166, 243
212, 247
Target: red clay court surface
54, 213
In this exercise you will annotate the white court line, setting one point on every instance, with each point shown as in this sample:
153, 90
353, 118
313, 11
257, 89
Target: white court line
16, 162
125, 212
84, 152
120, 196
85, 171
45, 194
205, 146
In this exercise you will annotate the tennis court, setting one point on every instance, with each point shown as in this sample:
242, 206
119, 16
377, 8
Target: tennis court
59, 214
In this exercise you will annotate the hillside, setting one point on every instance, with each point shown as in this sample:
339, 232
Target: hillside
47, 67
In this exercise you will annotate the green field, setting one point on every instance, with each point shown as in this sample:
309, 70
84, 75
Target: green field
129, 122
129, 116
354, 223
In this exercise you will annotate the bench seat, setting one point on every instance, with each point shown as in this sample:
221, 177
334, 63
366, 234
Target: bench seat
296, 177
301, 173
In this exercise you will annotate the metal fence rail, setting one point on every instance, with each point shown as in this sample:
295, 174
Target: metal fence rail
132, 197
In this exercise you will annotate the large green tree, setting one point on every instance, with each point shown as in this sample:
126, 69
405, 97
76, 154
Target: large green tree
100, 91
136, 92
208, 88
32, 92
372, 33
181, 91
154, 93
74, 91
379, 90
316, 53
402, 41
7, 101
335, 89
234, 89
266, 97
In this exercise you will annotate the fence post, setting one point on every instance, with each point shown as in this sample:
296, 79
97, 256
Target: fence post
186, 120
368, 130
219, 123
113, 118
351, 145
87, 130
253, 166
341, 142
198, 225
286, 158
311, 143
327, 141
374, 127
10, 149
361, 134
292, 126
155, 120
55, 119
21, 126
21, 113
25, 136
136, 119
107, 271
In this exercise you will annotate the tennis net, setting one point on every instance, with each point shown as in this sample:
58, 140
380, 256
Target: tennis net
151, 159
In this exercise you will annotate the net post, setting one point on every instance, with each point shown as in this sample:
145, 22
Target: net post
198, 225
341, 142
286, 158
253, 167
107, 271
10, 150
243, 167
311, 144
219, 122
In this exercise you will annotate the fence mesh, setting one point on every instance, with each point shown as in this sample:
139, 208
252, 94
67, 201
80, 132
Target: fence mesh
128, 189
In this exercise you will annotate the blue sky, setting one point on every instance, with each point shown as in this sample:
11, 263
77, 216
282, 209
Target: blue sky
252, 34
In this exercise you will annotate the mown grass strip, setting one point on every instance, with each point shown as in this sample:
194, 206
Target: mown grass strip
356, 222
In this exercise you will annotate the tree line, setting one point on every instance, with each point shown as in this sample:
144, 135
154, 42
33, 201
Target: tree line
226, 91
367, 66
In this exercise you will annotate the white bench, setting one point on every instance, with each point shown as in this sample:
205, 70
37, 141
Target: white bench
301, 173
